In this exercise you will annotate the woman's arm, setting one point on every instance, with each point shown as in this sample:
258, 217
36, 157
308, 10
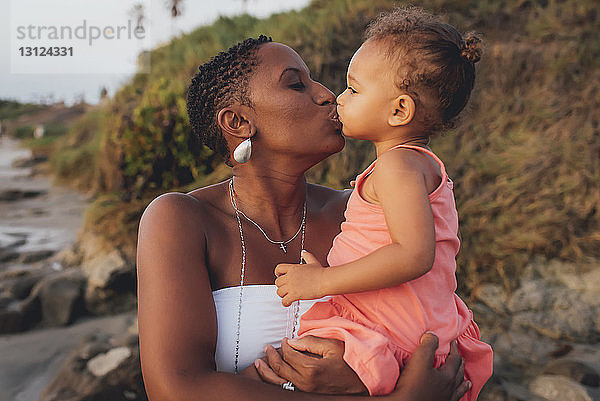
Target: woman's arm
177, 318
400, 189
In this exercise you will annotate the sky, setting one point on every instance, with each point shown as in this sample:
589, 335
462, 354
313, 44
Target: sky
109, 60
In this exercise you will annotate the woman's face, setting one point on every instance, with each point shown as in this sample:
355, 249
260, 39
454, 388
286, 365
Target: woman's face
294, 115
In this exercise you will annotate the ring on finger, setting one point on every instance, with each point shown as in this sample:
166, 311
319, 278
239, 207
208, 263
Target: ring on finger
288, 386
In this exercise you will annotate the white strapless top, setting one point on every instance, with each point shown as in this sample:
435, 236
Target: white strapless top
263, 321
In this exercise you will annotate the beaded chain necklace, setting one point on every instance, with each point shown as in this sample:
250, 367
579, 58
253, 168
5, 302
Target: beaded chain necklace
295, 305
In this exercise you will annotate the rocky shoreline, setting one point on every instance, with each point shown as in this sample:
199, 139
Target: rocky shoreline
59, 293
73, 304
545, 334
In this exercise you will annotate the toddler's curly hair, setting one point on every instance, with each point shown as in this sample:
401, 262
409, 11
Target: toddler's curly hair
434, 63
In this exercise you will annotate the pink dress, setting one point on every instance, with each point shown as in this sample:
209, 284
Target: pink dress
382, 328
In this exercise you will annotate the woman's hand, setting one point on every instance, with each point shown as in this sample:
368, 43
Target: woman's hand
300, 281
421, 381
313, 364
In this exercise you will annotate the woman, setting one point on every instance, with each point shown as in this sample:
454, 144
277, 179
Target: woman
207, 303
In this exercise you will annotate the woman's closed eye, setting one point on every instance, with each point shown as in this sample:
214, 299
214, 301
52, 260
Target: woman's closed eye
298, 85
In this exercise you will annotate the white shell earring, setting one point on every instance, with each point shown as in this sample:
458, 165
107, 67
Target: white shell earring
242, 152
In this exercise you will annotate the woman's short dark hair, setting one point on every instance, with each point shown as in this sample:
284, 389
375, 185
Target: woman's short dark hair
218, 83
435, 58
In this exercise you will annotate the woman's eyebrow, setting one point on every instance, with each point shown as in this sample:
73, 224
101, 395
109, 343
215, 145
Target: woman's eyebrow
289, 69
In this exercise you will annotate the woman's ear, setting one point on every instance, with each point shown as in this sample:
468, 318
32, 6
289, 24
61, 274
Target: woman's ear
234, 120
404, 109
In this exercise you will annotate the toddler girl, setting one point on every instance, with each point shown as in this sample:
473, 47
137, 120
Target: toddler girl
393, 264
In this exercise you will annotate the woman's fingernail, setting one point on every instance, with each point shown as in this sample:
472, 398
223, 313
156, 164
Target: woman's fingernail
423, 336
257, 363
266, 348
469, 384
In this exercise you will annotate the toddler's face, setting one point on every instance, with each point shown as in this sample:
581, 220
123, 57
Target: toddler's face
366, 104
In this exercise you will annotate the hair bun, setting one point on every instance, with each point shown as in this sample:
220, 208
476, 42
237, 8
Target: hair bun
471, 50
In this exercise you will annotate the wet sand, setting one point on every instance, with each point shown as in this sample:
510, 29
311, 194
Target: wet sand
43, 220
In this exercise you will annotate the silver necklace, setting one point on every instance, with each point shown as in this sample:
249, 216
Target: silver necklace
281, 244
295, 305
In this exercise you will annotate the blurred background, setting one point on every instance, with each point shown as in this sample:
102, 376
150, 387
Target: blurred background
81, 155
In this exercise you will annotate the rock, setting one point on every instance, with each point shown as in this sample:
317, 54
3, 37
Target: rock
529, 296
12, 240
35, 256
577, 370
92, 348
517, 392
112, 376
102, 364
104, 270
60, 296
18, 284
503, 390
17, 311
556, 310
68, 257
126, 339
560, 388
134, 328
550, 325
89, 246
12, 318
29, 161
526, 350
562, 314
8, 256
5, 300
493, 296
111, 284
10, 195
489, 322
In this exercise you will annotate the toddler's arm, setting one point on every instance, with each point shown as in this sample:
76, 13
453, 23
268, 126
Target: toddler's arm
400, 188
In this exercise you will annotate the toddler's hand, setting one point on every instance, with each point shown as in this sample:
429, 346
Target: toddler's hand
295, 281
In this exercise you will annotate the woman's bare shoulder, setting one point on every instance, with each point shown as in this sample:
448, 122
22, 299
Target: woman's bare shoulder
183, 213
195, 202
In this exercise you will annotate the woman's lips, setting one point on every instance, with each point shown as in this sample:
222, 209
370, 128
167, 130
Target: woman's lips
335, 118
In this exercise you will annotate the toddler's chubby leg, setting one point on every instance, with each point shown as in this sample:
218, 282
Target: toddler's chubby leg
366, 351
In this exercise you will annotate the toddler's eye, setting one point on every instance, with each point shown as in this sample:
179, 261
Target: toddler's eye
351, 89
298, 85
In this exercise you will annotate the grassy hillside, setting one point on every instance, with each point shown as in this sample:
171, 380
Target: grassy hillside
10, 109
525, 160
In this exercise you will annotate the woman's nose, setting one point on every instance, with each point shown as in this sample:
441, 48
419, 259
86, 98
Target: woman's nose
325, 96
